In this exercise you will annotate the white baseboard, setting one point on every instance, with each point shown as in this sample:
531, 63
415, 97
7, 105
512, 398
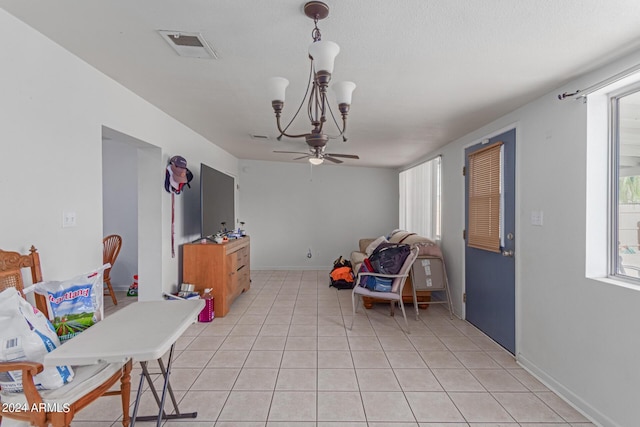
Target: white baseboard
591, 413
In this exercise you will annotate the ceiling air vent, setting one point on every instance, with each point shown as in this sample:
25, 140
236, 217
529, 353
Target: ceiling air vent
260, 137
192, 45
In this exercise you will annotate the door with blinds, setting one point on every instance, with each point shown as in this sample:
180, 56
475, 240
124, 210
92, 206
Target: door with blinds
490, 237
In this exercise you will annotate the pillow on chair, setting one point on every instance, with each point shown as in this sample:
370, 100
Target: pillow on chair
373, 245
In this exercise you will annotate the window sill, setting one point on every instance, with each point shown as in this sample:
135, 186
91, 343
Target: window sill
627, 284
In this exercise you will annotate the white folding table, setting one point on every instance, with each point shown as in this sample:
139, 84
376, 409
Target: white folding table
142, 331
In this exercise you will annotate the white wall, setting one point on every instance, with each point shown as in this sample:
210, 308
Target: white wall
52, 112
120, 207
578, 335
290, 208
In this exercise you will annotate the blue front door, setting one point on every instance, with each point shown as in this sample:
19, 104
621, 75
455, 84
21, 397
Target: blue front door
490, 276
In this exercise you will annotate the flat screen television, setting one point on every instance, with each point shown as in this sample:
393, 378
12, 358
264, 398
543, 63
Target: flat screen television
217, 201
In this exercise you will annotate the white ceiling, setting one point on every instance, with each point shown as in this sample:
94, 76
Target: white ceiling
427, 71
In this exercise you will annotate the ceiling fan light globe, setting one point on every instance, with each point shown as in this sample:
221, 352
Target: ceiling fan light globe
315, 161
344, 92
324, 54
277, 87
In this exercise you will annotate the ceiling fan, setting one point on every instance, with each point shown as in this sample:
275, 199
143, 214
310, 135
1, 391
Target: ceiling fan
316, 155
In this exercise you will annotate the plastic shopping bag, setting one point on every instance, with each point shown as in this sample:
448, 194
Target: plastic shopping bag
26, 334
74, 304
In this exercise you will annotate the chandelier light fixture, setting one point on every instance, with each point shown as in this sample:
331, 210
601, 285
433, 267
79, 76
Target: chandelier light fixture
322, 55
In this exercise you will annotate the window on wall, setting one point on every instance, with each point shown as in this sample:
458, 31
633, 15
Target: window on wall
420, 201
486, 198
625, 184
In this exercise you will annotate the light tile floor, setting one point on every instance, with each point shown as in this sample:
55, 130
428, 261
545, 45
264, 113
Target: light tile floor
282, 357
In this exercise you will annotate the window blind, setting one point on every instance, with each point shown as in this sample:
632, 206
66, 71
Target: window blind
485, 169
420, 199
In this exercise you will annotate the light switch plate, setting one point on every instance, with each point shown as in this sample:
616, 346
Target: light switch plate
537, 218
68, 219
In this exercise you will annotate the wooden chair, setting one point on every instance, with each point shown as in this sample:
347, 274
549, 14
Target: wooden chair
110, 249
89, 382
11, 265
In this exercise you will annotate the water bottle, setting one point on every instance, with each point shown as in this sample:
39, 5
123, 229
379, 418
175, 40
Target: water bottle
207, 313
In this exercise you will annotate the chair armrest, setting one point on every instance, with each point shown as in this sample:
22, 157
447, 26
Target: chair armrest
29, 370
389, 276
33, 368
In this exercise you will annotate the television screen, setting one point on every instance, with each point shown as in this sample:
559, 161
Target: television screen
217, 201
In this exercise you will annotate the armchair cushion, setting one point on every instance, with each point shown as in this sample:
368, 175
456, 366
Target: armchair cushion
363, 243
427, 247
373, 245
356, 259
87, 378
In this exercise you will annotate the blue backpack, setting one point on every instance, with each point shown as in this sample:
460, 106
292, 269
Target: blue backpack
378, 284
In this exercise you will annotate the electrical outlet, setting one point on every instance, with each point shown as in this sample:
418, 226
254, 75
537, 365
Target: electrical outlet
68, 219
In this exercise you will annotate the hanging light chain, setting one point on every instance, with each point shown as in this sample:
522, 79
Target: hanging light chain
316, 106
315, 34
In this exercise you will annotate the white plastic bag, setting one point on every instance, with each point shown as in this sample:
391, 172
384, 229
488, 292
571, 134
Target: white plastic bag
26, 334
74, 304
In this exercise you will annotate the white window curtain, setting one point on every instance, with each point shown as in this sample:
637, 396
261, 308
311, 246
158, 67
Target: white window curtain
420, 199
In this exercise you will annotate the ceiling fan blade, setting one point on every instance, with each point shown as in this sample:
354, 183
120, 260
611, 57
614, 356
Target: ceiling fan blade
292, 152
346, 156
303, 157
332, 159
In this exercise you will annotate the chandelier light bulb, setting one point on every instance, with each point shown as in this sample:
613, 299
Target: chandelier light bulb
277, 87
343, 91
316, 161
324, 55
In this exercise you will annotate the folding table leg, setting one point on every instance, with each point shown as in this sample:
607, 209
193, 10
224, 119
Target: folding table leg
165, 374
138, 394
160, 400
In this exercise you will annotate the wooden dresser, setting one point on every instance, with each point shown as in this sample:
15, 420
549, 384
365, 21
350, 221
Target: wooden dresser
223, 267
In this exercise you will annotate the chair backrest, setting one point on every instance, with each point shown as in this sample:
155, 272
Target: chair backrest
398, 282
12, 265
110, 249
